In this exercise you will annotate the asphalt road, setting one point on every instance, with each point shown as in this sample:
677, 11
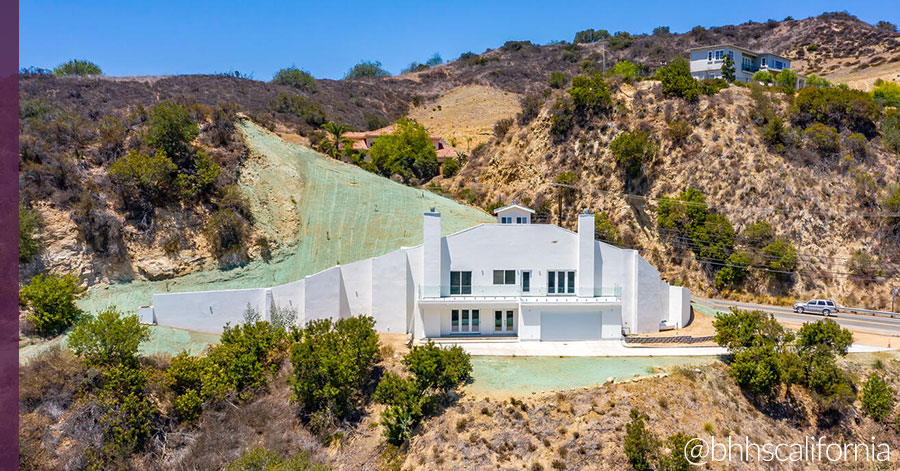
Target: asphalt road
854, 322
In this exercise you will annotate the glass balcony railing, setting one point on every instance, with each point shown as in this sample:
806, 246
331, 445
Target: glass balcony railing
512, 291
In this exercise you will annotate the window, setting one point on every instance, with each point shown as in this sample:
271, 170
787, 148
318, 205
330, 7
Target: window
746, 63
521, 220
763, 61
778, 64
500, 325
720, 54
498, 321
504, 277
709, 56
560, 282
509, 321
475, 320
526, 281
460, 282
454, 320
505, 220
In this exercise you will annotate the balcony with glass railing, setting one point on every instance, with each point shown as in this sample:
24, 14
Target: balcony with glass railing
509, 292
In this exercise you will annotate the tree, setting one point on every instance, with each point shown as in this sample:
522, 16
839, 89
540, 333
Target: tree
641, 445
877, 398
29, 223
172, 130
758, 347
735, 272
109, 340
450, 167
815, 81
366, 69
780, 258
294, 77
632, 150
52, 302
626, 69
337, 142
763, 76
605, 229
728, 68
818, 345
758, 235
407, 152
142, 178
787, 80
677, 81
590, 94
77, 67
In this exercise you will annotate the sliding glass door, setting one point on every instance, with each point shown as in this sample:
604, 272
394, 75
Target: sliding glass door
465, 321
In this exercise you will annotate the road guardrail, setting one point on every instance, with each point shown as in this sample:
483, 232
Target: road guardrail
892, 315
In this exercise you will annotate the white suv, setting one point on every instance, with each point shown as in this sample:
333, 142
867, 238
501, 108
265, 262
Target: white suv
816, 306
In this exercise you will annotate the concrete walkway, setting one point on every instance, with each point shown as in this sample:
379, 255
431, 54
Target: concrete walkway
600, 348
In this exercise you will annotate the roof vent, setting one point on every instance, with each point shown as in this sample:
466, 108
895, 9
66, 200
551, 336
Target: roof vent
432, 209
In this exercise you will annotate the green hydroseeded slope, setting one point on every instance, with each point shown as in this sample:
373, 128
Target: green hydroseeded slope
319, 212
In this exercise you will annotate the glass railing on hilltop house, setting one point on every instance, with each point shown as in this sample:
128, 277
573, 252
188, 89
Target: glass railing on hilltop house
512, 291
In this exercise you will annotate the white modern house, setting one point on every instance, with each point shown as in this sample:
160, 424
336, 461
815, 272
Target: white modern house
706, 62
511, 280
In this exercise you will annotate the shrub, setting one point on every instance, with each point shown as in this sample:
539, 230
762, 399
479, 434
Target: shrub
332, 361
677, 459
787, 80
590, 36
200, 179
886, 26
621, 40
815, 81
812, 47
823, 138
890, 131
438, 369
126, 416
450, 168
712, 86
590, 94
886, 93
626, 69
405, 407
77, 67
188, 406
661, 31
226, 232
562, 117
261, 459
502, 127
734, 273
558, 80
247, 354
863, 266
818, 344
515, 46
728, 68
52, 302
112, 133
605, 229
110, 339
29, 224
841, 108
877, 398
407, 152
757, 344
856, 144
366, 69
294, 77
758, 235
780, 259
892, 203
677, 81
641, 445
531, 106
678, 131
310, 112
763, 76
632, 150
143, 180
171, 130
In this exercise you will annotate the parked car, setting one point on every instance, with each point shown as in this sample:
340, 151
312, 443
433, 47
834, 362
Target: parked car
816, 306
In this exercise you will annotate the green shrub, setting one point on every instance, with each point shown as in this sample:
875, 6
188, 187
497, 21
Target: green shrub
502, 126
562, 117
678, 131
450, 168
29, 224
632, 150
438, 369
734, 273
763, 76
407, 152
838, 107
590, 36
126, 416
780, 258
815, 81
52, 302
296, 78
405, 407
787, 80
110, 339
728, 68
641, 446
626, 69
605, 229
226, 232
823, 138
77, 67
171, 130
516, 46
366, 69
863, 266
247, 354
886, 93
892, 203
812, 47
890, 131
677, 81
677, 459
758, 235
143, 180
774, 133
201, 179
188, 406
712, 86
857, 145
531, 107
818, 343
332, 362
558, 80
757, 344
261, 459
877, 398
590, 94
311, 113
619, 41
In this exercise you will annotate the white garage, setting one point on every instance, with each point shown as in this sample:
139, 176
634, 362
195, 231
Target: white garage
557, 326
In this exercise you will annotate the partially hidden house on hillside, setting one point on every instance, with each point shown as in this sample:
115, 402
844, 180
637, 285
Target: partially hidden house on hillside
362, 141
706, 62
512, 280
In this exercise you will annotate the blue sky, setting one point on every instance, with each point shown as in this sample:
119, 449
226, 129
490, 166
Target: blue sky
326, 38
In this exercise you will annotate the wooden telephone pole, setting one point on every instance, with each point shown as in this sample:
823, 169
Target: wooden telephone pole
560, 188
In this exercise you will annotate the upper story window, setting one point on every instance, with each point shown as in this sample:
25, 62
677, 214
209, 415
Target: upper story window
779, 64
709, 56
521, 220
720, 54
560, 282
505, 220
504, 277
763, 61
460, 282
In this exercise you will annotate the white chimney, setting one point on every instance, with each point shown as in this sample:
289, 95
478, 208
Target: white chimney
431, 256
586, 248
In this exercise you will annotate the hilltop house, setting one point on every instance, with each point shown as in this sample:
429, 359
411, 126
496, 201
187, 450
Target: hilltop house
362, 141
706, 62
511, 280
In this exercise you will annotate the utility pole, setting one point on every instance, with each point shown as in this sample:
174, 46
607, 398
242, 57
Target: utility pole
560, 188
894, 293
603, 52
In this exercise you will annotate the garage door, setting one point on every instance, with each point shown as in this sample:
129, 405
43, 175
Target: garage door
571, 326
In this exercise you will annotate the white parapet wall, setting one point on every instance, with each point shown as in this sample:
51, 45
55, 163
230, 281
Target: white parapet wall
679, 306
207, 311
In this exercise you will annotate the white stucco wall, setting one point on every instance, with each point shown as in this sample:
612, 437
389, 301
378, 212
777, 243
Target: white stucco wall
514, 213
679, 306
290, 295
390, 279
207, 311
325, 295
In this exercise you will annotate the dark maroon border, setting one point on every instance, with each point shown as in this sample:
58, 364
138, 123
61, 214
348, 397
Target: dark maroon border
9, 238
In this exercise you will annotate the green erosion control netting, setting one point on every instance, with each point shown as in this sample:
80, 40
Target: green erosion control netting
319, 212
